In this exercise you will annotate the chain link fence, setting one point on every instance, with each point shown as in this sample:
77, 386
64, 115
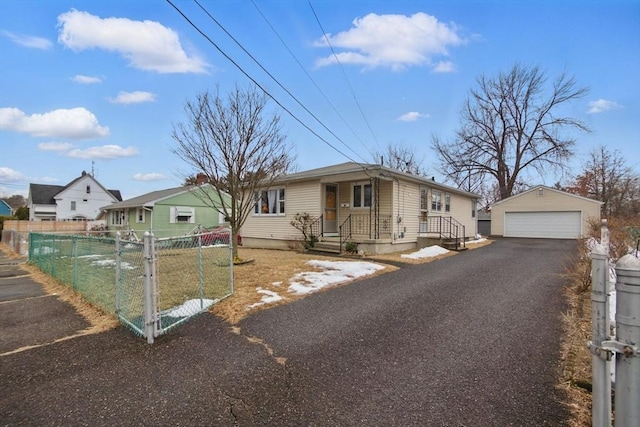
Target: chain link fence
152, 286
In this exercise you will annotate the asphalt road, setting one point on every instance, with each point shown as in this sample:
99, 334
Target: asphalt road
469, 340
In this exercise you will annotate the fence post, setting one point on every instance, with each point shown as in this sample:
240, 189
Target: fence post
118, 273
200, 272
601, 370
149, 288
74, 240
627, 343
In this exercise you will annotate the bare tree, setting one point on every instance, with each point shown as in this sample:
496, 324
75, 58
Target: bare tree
238, 145
402, 158
509, 125
606, 177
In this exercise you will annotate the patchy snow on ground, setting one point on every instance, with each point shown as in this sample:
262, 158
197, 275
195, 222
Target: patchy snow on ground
333, 273
428, 252
188, 308
269, 297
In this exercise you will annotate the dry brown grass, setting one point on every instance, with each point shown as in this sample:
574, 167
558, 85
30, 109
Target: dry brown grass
269, 270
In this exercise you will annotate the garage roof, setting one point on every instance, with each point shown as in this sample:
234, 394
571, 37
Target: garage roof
545, 188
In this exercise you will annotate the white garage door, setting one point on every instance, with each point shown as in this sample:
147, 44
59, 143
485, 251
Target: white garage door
548, 225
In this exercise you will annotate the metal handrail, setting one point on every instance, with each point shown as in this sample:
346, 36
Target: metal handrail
346, 226
316, 227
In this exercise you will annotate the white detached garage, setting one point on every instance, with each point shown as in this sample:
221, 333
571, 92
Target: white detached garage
544, 212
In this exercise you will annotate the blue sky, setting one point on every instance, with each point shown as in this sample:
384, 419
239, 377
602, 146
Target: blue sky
99, 84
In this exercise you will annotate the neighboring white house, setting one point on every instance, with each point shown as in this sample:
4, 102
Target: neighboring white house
544, 212
81, 199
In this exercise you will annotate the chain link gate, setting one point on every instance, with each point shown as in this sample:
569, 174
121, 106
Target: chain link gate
181, 277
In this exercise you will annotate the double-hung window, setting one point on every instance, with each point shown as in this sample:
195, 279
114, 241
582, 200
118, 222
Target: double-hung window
424, 208
269, 202
361, 195
447, 202
436, 200
140, 215
117, 217
73, 205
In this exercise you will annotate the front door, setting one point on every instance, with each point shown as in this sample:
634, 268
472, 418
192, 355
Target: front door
330, 209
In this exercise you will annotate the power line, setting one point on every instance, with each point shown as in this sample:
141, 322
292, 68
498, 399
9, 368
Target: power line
353, 93
310, 78
255, 82
272, 77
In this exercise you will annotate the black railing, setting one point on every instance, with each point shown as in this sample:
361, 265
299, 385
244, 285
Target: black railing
316, 228
345, 231
445, 227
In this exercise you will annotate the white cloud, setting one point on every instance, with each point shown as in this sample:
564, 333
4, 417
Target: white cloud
86, 80
105, 152
148, 177
602, 105
74, 123
28, 41
147, 45
10, 175
444, 67
412, 116
136, 97
55, 146
394, 41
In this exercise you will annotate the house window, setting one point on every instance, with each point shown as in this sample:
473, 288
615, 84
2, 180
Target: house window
73, 205
140, 215
436, 200
88, 189
447, 202
117, 217
361, 196
269, 202
182, 215
540, 191
473, 208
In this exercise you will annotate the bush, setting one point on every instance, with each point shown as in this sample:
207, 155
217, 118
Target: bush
351, 247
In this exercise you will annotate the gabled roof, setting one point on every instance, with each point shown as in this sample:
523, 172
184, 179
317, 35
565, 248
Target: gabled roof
372, 170
43, 194
149, 199
7, 205
536, 187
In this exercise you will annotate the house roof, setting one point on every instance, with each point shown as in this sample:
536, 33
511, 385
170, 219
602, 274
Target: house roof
373, 171
536, 187
7, 205
149, 199
43, 194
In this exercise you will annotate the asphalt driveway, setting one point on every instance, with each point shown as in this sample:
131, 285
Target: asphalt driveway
469, 340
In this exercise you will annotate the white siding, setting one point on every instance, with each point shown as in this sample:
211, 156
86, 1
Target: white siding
87, 204
299, 198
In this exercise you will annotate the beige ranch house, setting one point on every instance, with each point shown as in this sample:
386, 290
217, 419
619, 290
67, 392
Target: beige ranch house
380, 209
544, 212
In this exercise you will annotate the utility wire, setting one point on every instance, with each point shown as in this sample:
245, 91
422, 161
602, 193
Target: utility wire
353, 93
311, 78
272, 77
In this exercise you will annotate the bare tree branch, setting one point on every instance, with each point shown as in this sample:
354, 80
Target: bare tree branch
508, 126
237, 145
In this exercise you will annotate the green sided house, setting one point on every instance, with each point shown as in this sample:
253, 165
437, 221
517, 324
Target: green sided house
380, 209
168, 213
545, 213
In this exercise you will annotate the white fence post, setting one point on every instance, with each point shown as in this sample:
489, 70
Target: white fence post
150, 311
601, 370
627, 343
